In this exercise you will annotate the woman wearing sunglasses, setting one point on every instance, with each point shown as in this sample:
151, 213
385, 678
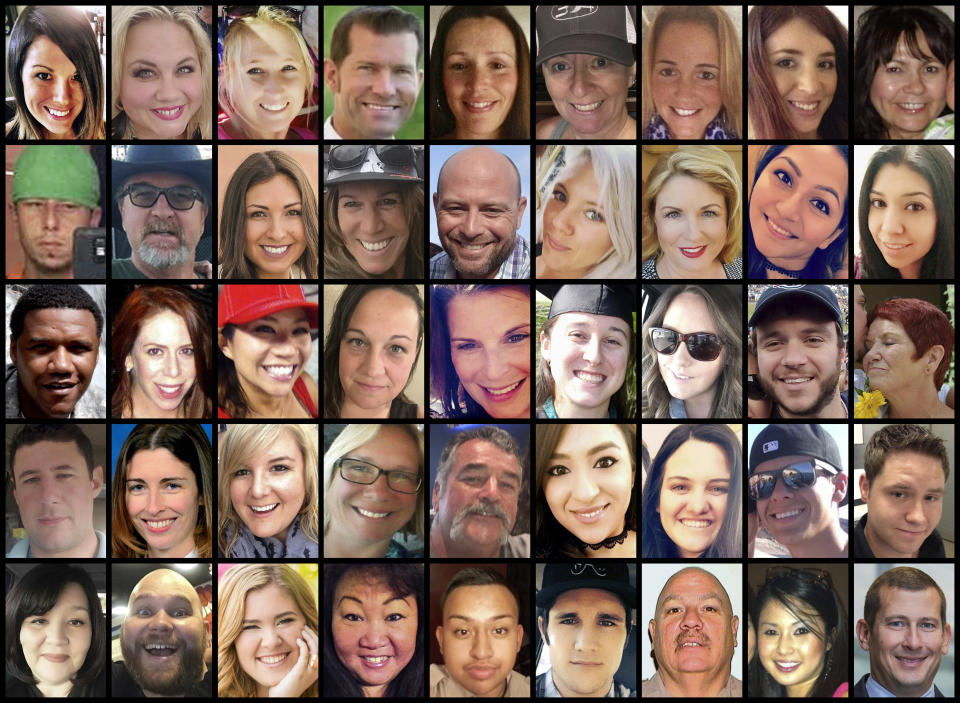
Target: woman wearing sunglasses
373, 493
692, 345
373, 212
802, 636
692, 507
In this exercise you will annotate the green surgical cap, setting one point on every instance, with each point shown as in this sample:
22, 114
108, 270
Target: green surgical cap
61, 172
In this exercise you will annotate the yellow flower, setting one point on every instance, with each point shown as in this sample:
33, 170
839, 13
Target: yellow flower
868, 405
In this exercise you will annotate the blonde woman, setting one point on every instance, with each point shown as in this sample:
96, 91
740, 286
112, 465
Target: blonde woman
683, 96
267, 623
268, 499
586, 212
266, 75
269, 221
692, 216
163, 494
162, 86
373, 492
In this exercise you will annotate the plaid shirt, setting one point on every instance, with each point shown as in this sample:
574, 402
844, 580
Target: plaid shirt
517, 264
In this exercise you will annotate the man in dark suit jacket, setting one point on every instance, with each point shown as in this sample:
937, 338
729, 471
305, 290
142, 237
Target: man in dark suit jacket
904, 629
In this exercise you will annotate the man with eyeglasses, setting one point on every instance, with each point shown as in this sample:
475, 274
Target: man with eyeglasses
798, 483
476, 496
798, 338
162, 198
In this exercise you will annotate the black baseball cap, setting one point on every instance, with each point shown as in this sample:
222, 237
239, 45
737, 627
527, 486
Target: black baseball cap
816, 293
802, 439
596, 573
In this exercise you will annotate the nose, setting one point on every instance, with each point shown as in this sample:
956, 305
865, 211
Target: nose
372, 365
260, 487
270, 638
155, 504
171, 367
585, 489
160, 621
809, 81
892, 221
494, 365
579, 81
585, 639
49, 495
162, 208
378, 488
283, 346
915, 514
477, 80
51, 215
167, 88
592, 351
61, 90
784, 644
697, 502
371, 220
59, 360
489, 489
795, 353
911, 639
781, 490
481, 647
383, 82
789, 208
914, 85
471, 225
57, 634
374, 635
691, 620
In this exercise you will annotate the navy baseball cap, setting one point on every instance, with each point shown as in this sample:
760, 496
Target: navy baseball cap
815, 293
802, 439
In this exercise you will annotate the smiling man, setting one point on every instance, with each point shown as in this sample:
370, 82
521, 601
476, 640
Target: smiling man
694, 633
476, 495
479, 207
798, 482
798, 338
163, 639
585, 615
905, 473
55, 482
480, 637
904, 628
55, 332
373, 72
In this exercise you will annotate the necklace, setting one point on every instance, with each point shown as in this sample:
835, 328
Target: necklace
792, 274
608, 543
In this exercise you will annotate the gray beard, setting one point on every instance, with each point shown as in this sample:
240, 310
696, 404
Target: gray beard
458, 528
163, 258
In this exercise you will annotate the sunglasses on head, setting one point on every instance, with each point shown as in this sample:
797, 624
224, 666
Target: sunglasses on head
802, 474
343, 156
754, 389
702, 346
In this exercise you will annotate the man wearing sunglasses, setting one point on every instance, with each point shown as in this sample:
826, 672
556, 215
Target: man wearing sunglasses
798, 338
798, 483
161, 199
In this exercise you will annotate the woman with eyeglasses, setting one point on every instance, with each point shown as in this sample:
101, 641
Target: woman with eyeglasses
802, 636
692, 507
373, 493
373, 211
692, 345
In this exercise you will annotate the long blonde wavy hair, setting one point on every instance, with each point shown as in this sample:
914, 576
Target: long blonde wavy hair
232, 591
241, 442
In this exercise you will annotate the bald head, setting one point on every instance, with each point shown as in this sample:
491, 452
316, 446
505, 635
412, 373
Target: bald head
707, 583
482, 165
165, 583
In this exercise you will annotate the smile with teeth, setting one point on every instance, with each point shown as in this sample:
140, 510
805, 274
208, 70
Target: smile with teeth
895, 247
680, 377
160, 649
480, 106
592, 513
275, 108
168, 113
588, 377
376, 661
263, 508
159, 525
910, 661
587, 108
504, 390
796, 381
691, 644
276, 251
273, 658
685, 113
367, 513
376, 246
912, 107
380, 108
787, 666
778, 230
687, 522
55, 112
281, 373
787, 514
805, 107
473, 247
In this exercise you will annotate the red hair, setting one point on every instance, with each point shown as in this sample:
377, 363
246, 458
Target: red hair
924, 323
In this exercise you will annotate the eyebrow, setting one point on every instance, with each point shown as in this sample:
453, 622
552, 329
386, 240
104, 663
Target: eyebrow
927, 618
168, 478
273, 319
903, 195
685, 478
485, 53
795, 622
155, 65
353, 598
798, 52
275, 617
478, 466
800, 175
699, 65
575, 614
712, 595
677, 207
267, 207
61, 467
594, 450
509, 331
154, 596
47, 340
379, 195
906, 487
469, 619
561, 184
361, 332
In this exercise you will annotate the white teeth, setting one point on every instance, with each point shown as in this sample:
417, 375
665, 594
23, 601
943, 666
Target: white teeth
696, 523
275, 250
480, 106
158, 524
589, 377
503, 391
912, 106
796, 380
275, 659
167, 113
685, 113
692, 644
693, 250
375, 246
58, 113
586, 108
280, 371
263, 509
382, 108
277, 107
170, 389
681, 376
159, 646
367, 513
809, 107
593, 514
789, 513
377, 660
779, 230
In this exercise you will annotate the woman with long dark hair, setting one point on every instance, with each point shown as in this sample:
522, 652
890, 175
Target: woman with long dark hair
691, 503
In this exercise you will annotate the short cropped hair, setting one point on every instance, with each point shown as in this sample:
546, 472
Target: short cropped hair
477, 576
902, 438
379, 20
33, 433
499, 438
905, 578
53, 295
925, 325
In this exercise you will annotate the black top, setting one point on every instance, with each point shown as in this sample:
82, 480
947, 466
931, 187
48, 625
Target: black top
932, 546
400, 409
125, 687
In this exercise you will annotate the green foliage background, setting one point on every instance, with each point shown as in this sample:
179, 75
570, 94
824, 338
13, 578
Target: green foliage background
414, 128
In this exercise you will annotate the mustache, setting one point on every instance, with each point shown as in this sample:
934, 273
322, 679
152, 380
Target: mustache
686, 637
485, 508
155, 226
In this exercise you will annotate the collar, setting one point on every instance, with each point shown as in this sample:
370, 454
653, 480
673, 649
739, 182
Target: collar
875, 690
516, 266
550, 689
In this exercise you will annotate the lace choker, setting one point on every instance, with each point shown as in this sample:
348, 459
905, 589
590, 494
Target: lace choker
608, 543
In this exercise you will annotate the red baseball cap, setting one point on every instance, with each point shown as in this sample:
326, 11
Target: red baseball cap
239, 304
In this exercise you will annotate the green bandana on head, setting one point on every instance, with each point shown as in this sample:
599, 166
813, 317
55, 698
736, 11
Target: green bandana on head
60, 172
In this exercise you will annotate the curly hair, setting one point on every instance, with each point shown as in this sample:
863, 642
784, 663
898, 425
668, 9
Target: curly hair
42, 296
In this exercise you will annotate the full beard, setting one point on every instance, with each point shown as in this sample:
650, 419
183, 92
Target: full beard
823, 399
484, 268
188, 674
163, 257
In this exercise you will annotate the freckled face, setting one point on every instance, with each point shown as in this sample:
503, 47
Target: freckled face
806, 81
274, 229
691, 221
902, 218
693, 496
788, 649
796, 205
909, 92
686, 79
374, 224
52, 88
